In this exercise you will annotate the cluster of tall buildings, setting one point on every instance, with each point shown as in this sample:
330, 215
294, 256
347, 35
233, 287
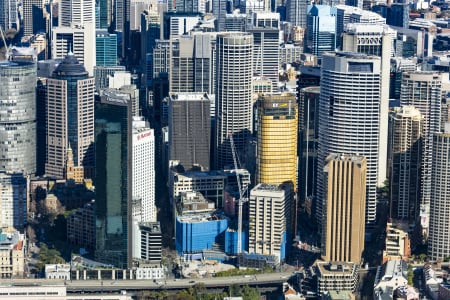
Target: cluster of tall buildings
261, 107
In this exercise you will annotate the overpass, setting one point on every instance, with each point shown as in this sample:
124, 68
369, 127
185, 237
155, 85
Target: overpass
269, 280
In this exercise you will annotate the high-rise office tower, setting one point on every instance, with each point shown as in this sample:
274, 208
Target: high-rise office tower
18, 116
296, 12
346, 14
137, 7
439, 239
308, 139
113, 181
190, 130
105, 13
13, 200
190, 6
372, 39
266, 36
106, 49
219, 10
33, 17
70, 118
79, 40
405, 156
234, 63
270, 211
349, 118
344, 206
120, 23
144, 168
76, 12
143, 186
423, 91
355, 3
191, 65
276, 158
150, 33
321, 29
399, 65
398, 15
9, 17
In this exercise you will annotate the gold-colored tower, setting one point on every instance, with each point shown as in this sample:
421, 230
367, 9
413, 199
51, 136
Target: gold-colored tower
276, 161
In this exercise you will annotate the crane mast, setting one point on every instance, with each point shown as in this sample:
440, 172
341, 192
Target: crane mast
241, 194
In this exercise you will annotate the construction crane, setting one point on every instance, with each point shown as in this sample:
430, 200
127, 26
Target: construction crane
4, 43
241, 193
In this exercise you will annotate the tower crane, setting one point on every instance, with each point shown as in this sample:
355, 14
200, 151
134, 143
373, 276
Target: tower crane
241, 193
2, 33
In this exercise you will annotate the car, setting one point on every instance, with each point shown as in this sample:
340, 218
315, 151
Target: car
192, 281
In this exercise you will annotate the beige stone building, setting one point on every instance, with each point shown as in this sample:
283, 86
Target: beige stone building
12, 254
345, 202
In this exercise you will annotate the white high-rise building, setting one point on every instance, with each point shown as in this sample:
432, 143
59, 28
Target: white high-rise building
270, 210
144, 169
423, 91
78, 39
13, 200
143, 181
234, 70
439, 239
375, 39
76, 12
296, 12
349, 118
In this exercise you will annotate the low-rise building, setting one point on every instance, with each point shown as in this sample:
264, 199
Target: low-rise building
336, 276
12, 262
57, 271
81, 226
398, 244
150, 273
198, 225
391, 281
53, 292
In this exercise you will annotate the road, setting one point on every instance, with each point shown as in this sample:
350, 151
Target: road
117, 285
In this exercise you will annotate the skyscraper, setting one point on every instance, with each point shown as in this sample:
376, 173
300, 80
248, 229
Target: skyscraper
143, 190
266, 52
219, 9
70, 118
308, 137
106, 49
113, 181
439, 239
373, 39
76, 12
18, 116
296, 12
191, 65
13, 200
33, 17
349, 118
270, 215
321, 29
9, 17
405, 156
423, 91
276, 159
234, 62
344, 200
144, 168
79, 40
190, 130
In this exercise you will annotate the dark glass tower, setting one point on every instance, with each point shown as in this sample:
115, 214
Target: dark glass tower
113, 181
